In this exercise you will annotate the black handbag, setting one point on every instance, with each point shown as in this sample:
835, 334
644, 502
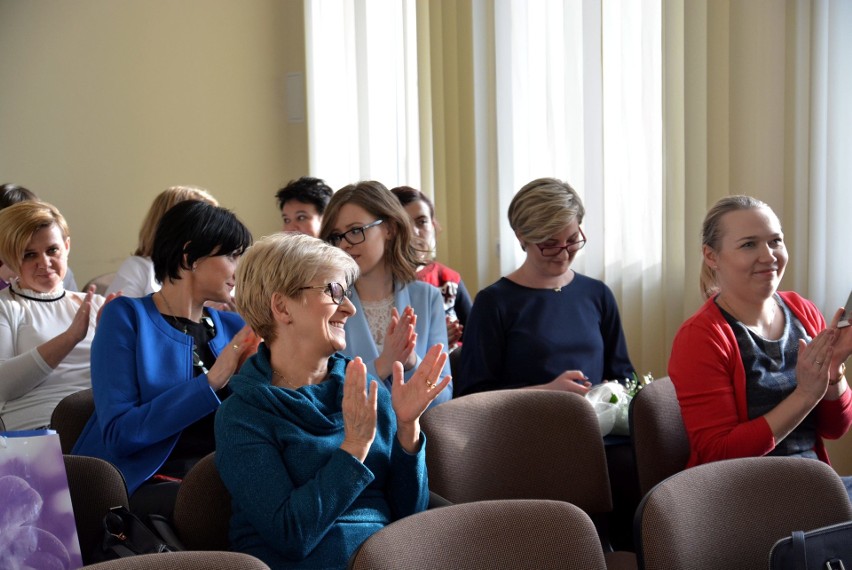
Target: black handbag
126, 535
826, 548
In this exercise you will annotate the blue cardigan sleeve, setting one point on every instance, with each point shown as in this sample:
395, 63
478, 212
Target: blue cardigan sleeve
291, 519
135, 411
408, 491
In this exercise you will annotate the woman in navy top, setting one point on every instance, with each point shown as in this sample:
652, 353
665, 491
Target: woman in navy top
544, 325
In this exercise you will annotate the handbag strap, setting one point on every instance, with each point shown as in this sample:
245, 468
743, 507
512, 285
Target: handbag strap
800, 554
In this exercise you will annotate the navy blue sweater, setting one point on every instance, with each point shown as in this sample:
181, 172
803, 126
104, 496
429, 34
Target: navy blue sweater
517, 336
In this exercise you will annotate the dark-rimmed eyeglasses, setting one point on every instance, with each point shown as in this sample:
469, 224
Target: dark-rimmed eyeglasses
336, 291
353, 236
554, 250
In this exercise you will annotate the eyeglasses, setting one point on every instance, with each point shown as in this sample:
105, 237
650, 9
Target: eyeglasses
554, 250
353, 236
336, 291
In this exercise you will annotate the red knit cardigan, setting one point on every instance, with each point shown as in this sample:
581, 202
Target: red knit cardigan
708, 375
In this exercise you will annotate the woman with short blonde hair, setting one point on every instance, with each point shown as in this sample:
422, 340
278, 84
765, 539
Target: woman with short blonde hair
45, 331
316, 456
544, 325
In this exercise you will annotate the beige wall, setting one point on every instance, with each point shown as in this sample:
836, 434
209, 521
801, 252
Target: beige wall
107, 102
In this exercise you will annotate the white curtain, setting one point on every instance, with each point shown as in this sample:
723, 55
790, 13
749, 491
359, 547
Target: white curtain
829, 218
578, 96
362, 91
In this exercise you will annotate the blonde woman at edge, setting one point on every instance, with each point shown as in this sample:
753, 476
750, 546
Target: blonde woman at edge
46, 331
756, 370
135, 277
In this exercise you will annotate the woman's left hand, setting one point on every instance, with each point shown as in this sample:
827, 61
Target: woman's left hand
410, 399
243, 345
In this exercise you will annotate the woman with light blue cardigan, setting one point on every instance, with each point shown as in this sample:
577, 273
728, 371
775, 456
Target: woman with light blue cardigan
398, 317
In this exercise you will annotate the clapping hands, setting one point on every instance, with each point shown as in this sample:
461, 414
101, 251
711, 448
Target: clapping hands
410, 399
359, 410
400, 341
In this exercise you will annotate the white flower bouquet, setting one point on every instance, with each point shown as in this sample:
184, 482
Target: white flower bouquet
611, 401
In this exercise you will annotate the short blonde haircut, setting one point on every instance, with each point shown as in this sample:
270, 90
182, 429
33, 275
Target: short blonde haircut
544, 207
161, 204
283, 263
19, 222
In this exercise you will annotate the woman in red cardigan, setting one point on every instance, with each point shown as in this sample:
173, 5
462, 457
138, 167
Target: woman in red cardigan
756, 370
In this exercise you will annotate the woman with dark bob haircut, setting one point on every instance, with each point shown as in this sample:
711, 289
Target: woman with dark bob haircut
161, 363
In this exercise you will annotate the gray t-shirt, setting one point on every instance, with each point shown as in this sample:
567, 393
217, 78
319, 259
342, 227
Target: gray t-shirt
770, 369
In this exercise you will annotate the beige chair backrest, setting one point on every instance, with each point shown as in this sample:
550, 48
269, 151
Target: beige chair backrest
101, 283
728, 514
183, 561
95, 486
203, 508
489, 534
517, 444
660, 443
70, 416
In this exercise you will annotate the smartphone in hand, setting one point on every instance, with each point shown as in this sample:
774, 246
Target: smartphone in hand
847, 315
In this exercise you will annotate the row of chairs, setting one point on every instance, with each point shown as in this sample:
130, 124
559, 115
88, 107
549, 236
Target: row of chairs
522, 463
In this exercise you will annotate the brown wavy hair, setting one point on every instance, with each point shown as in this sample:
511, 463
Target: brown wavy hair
400, 254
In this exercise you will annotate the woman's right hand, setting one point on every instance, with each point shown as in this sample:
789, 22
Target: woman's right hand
570, 381
359, 410
814, 362
400, 341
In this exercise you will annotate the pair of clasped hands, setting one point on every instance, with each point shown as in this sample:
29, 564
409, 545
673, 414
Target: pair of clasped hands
409, 400
820, 364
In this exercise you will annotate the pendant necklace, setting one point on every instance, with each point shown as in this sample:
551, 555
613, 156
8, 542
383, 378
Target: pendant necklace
205, 320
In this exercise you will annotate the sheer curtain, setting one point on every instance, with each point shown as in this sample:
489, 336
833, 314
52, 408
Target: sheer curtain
829, 218
575, 93
362, 91
578, 92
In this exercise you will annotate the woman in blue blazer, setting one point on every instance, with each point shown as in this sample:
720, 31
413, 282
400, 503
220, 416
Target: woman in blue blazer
161, 363
398, 318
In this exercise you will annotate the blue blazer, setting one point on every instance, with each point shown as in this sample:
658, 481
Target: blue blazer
144, 386
431, 328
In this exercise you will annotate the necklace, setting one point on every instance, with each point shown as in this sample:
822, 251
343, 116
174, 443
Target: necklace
15, 289
284, 379
209, 327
